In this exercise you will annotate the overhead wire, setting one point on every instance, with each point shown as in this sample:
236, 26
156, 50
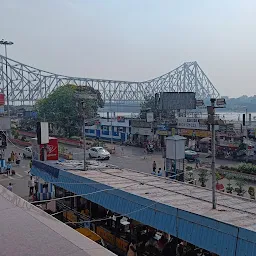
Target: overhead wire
118, 216
87, 194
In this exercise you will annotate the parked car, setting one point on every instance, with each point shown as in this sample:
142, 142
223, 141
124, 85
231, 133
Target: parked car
27, 152
99, 153
191, 155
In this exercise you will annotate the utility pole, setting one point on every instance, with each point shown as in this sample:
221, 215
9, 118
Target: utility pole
83, 132
84, 141
5, 43
111, 122
212, 121
213, 154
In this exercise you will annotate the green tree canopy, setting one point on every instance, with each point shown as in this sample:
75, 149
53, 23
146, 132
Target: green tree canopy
62, 108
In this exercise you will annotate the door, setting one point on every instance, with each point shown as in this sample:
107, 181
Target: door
98, 133
122, 136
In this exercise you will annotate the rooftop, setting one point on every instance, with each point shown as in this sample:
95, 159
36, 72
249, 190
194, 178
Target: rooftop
231, 209
27, 230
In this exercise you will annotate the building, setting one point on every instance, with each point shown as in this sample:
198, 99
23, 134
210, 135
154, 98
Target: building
101, 129
27, 230
175, 208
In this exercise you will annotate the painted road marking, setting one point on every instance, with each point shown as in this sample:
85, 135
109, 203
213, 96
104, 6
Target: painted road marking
19, 175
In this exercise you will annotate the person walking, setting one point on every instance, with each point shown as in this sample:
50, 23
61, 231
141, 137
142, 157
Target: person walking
197, 163
31, 185
12, 156
9, 187
9, 167
18, 158
154, 167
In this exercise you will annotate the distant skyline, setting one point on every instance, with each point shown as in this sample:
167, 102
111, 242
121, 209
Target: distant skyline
135, 40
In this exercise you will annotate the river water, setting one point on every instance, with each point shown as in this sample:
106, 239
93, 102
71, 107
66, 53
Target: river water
230, 116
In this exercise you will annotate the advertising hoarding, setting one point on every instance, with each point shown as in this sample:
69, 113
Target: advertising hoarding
5, 123
1, 99
195, 133
150, 117
190, 123
177, 100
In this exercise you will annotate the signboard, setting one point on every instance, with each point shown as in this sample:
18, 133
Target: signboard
190, 123
150, 117
177, 100
195, 133
1, 98
5, 123
163, 133
120, 119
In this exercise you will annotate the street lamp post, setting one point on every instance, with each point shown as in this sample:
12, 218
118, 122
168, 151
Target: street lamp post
5, 43
84, 140
213, 121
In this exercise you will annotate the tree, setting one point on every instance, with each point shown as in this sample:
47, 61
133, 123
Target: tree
229, 187
61, 108
251, 192
190, 174
240, 182
203, 174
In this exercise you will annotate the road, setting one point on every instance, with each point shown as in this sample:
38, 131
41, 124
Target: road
135, 159
20, 179
127, 157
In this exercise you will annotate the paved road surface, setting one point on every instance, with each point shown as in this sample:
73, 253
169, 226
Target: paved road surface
135, 159
20, 179
125, 157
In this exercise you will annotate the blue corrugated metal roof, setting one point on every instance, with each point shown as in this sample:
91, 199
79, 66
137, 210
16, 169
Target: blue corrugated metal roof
219, 237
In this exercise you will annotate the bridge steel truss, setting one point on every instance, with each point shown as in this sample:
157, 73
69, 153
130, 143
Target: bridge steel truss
27, 84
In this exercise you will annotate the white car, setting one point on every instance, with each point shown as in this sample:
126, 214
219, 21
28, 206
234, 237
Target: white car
99, 153
27, 153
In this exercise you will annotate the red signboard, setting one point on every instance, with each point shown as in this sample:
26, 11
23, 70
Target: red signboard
1, 99
52, 149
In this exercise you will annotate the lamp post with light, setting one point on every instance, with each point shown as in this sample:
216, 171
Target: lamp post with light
6, 43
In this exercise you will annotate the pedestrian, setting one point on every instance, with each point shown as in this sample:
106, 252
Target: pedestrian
31, 186
159, 172
18, 158
9, 187
36, 184
9, 167
197, 163
12, 156
132, 250
145, 152
154, 167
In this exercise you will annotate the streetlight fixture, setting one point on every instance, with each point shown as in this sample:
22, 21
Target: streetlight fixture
6, 43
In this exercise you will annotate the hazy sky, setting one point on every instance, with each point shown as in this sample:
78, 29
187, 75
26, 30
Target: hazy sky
135, 39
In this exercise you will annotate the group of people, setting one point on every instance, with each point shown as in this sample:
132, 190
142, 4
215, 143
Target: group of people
14, 158
159, 172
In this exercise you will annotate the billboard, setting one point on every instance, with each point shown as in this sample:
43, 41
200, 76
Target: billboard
1, 98
150, 117
5, 123
190, 123
177, 100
